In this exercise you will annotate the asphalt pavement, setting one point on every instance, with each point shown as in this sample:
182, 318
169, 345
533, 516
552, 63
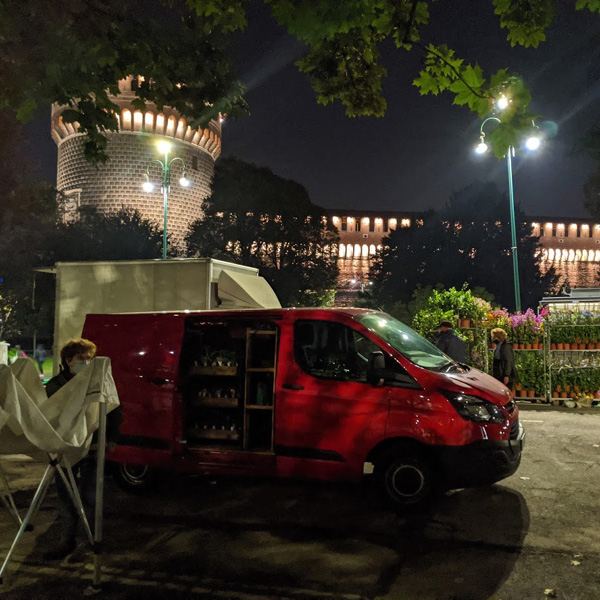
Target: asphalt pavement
532, 537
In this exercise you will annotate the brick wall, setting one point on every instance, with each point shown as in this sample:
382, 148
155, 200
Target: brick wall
118, 183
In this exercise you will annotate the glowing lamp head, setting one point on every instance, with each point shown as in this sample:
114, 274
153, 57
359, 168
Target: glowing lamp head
147, 187
481, 148
502, 103
163, 146
184, 181
353, 281
533, 143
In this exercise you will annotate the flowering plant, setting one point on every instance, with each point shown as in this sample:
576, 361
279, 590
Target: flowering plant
526, 327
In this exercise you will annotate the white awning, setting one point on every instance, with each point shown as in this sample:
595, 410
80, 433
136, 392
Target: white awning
238, 290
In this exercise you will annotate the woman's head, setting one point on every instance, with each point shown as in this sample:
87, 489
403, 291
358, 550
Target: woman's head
499, 334
77, 351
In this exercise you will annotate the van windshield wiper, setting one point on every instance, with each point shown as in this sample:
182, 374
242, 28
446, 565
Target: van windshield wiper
452, 367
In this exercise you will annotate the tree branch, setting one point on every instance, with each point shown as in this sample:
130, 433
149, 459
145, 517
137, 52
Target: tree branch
456, 71
411, 19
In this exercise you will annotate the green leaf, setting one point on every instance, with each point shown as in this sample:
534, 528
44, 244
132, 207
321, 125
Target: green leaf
591, 5
26, 110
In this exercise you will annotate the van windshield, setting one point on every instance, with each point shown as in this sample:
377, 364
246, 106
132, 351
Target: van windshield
408, 342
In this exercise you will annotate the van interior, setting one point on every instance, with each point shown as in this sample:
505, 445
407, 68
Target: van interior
228, 383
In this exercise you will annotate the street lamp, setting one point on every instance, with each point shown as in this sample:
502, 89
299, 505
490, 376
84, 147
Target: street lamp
164, 148
362, 283
532, 143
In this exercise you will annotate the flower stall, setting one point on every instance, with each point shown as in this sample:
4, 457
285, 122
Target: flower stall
557, 349
572, 347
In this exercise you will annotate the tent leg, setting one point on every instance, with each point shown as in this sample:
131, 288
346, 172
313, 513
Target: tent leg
73, 490
7, 498
98, 516
37, 498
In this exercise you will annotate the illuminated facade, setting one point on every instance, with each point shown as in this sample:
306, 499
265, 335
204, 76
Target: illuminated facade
117, 183
571, 246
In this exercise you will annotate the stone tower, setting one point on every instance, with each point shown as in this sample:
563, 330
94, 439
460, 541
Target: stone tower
118, 182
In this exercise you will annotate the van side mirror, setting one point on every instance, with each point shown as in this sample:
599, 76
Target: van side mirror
378, 374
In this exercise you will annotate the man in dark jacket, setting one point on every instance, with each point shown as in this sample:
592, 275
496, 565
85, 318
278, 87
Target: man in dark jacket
504, 358
75, 355
449, 343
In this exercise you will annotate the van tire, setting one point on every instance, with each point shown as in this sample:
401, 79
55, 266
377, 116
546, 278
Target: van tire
405, 477
134, 478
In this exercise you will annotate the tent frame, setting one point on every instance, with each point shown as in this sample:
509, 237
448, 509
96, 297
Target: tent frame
65, 471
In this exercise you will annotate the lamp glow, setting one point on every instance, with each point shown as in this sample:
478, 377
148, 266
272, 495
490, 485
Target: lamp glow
502, 103
533, 143
481, 148
147, 186
163, 147
184, 181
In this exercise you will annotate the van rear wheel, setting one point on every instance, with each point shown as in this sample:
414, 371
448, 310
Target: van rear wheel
134, 478
405, 478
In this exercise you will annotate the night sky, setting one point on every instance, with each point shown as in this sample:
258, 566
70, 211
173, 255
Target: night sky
421, 151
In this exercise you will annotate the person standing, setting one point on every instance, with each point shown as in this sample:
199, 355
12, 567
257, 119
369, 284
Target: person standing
39, 355
504, 358
449, 343
76, 355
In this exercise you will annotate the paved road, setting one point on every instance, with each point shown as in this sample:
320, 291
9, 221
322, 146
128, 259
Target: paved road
239, 539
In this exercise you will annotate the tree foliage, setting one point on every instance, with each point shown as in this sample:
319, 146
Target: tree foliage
73, 52
447, 248
259, 219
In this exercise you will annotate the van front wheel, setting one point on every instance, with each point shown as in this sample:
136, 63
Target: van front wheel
405, 477
134, 478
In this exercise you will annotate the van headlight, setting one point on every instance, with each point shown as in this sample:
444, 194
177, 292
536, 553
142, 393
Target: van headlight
473, 408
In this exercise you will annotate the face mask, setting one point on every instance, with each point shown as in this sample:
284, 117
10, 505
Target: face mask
79, 366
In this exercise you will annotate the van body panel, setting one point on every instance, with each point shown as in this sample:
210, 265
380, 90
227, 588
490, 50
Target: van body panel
145, 357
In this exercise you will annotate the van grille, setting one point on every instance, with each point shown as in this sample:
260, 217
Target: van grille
514, 430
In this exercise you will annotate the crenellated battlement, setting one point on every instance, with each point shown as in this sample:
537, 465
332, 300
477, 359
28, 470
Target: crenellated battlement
151, 121
117, 183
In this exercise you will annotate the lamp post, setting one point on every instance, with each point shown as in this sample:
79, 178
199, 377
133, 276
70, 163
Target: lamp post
354, 281
165, 166
532, 143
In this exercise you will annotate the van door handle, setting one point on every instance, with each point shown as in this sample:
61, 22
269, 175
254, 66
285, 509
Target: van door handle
292, 386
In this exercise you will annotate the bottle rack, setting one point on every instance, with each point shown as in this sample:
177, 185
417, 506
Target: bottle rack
259, 386
222, 423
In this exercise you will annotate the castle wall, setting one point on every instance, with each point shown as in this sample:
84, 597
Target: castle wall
118, 182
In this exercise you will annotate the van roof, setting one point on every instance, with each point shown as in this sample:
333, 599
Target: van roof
350, 311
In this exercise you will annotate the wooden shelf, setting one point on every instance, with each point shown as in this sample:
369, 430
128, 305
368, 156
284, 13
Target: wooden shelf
577, 350
214, 371
259, 407
528, 349
214, 434
215, 402
260, 370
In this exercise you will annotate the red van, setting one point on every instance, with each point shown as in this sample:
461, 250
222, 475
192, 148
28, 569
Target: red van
311, 393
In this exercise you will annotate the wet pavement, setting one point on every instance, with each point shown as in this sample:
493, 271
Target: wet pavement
248, 539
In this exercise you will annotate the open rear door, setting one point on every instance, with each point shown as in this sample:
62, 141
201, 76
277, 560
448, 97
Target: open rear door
238, 290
